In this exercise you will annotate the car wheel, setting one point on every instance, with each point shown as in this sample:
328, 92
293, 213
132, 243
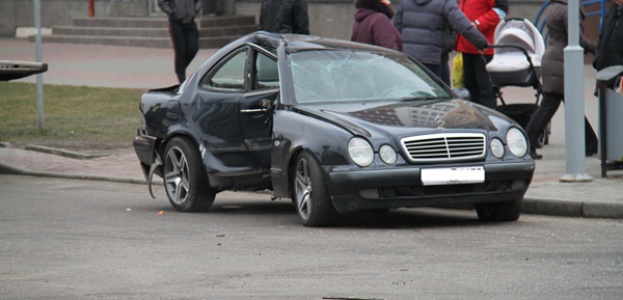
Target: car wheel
310, 196
500, 212
184, 178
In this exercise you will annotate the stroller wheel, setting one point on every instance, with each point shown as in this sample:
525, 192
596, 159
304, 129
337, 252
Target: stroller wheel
543, 139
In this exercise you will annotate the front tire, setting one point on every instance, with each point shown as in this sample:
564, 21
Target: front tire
310, 196
500, 212
185, 179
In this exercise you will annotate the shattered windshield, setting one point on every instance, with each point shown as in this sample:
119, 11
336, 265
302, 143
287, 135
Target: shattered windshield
350, 76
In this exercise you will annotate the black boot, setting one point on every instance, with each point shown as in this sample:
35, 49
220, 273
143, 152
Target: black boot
535, 155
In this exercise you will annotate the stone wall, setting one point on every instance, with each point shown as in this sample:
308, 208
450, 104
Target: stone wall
331, 18
20, 13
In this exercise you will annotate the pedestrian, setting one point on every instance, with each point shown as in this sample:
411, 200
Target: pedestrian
449, 43
183, 31
552, 72
373, 24
610, 46
425, 24
485, 15
284, 16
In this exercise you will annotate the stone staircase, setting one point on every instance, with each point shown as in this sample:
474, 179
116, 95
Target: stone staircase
214, 32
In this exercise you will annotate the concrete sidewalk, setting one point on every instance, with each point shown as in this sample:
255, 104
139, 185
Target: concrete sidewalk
112, 66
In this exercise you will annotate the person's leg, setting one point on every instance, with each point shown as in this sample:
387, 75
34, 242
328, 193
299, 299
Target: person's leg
591, 144
590, 138
484, 86
469, 77
436, 69
541, 117
192, 43
176, 30
445, 68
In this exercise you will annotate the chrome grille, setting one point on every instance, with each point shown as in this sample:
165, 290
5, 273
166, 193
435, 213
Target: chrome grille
445, 147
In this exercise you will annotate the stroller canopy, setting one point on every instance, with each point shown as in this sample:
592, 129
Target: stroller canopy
510, 65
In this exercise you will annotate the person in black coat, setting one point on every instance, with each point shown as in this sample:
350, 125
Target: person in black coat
610, 46
183, 30
284, 16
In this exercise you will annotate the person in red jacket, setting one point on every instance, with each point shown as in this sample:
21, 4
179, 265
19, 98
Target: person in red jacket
485, 15
373, 24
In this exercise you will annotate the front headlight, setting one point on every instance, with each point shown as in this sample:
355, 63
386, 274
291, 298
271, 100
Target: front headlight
360, 151
517, 142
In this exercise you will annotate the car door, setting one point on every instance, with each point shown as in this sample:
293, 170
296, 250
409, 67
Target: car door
217, 111
235, 125
256, 104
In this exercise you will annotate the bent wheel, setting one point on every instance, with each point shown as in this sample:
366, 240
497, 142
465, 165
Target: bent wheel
309, 195
500, 212
184, 177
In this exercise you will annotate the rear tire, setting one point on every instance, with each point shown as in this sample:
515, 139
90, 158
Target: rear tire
309, 194
185, 179
500, 212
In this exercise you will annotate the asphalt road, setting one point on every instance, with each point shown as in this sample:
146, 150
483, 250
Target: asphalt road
79, 239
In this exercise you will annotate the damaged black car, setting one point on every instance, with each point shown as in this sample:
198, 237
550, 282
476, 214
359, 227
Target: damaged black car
335, 126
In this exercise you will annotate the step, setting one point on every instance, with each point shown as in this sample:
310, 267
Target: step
149, 42
214, 32
156, 22
110, 31
148, 32
227, 21
122, 22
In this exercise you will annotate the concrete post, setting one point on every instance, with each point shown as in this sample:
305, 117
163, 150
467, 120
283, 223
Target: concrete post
574, 99
37, 16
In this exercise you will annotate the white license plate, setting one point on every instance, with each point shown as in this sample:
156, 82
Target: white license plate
458, 175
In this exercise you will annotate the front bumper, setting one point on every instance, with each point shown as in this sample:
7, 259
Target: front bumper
363, 189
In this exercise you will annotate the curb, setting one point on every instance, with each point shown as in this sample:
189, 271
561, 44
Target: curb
563, 208
65, 153
10, 170
533, 206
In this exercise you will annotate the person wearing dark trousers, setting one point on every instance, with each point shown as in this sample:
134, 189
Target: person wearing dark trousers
476, 78
552, 72
485, 15
424, 25
183, 31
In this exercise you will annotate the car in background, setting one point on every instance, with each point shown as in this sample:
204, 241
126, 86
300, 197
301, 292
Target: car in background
335, 126
16, 69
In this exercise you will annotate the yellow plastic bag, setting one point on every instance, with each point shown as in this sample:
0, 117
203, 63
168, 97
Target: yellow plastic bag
457, 71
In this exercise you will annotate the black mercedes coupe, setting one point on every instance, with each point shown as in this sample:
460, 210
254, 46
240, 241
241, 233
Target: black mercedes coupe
335, 126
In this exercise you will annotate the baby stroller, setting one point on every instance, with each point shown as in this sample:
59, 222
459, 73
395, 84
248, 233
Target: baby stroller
518, 49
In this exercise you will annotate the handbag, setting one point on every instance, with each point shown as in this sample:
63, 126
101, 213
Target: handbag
457, 71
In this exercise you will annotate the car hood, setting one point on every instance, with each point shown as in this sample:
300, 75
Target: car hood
409, 117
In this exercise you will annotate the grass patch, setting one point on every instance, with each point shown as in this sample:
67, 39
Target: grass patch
75, 117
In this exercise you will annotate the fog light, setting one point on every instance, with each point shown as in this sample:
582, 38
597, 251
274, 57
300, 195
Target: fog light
387, 154
497, 148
